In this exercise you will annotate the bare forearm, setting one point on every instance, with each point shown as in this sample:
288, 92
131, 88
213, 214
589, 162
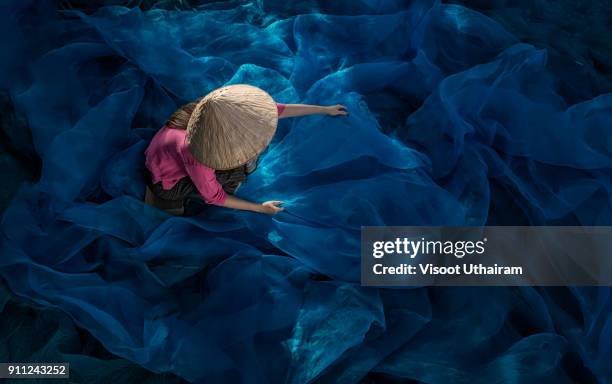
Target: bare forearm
293, 110
269, 207
236, 203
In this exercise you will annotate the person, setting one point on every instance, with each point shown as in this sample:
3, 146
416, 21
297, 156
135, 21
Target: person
208, 147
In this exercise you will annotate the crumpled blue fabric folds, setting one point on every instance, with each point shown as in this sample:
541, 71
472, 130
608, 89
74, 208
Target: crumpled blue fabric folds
453, 121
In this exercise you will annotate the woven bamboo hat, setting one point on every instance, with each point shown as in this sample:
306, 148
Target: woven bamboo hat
231, 125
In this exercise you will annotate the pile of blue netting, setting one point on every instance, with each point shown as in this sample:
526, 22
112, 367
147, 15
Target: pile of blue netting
455, 118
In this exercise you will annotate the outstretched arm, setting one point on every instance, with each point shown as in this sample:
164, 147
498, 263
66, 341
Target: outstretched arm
212, 192
294, 110
269, 207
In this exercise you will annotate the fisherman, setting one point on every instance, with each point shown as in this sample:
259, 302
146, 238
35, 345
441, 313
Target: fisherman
208, 147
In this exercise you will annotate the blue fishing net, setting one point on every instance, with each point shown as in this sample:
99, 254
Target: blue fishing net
456, 118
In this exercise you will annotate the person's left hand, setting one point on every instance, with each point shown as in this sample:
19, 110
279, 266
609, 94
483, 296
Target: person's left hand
336, 110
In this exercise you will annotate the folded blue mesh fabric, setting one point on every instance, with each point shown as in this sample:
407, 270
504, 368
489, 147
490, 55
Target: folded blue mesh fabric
454, 120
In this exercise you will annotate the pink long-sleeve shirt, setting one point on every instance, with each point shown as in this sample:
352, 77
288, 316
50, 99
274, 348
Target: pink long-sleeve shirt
169, 159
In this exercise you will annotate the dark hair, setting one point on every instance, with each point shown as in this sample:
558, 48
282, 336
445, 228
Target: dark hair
180, 118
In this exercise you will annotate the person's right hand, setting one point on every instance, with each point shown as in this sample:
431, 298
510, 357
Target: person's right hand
271, 207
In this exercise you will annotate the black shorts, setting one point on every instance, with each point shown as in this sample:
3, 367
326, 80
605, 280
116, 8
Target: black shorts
230, 181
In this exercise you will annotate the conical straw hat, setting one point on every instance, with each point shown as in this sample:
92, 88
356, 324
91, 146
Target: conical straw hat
231, 125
